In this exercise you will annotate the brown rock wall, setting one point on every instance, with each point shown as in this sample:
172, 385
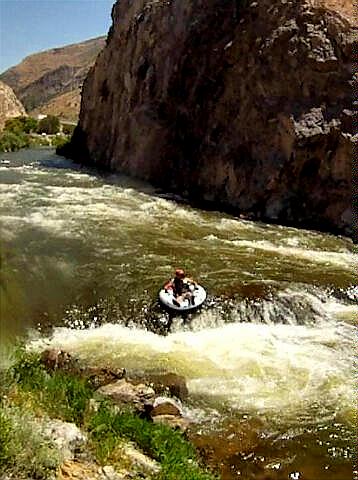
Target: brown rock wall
244, 104
10, 105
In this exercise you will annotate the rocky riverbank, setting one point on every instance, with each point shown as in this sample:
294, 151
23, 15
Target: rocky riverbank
65, 420
245, 105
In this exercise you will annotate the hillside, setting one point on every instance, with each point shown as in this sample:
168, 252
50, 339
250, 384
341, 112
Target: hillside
245, 105
65, 106
41, 78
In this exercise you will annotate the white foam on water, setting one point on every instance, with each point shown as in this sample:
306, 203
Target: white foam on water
72, 194
277, 368
81, 176
211, 238
341, 259
12, 189
292, 241
258, 366
232, 225
41, 219
159, 208
347, 313
28, 169
159, 205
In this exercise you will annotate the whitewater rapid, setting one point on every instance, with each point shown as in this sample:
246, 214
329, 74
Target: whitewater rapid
268, 360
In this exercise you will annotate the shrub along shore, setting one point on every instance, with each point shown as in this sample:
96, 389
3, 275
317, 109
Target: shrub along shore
27, 132
36, 393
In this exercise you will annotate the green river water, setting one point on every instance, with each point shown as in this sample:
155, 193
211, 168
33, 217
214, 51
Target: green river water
268, 360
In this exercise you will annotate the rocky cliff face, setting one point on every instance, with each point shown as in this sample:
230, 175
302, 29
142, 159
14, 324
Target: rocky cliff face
10, 106
247, 105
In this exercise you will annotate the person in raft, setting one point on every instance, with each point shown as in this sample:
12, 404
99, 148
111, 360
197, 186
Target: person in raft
182, 287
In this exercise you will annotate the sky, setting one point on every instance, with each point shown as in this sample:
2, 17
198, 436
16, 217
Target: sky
31, 26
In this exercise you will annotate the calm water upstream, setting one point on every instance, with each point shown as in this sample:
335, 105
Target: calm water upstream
268, 360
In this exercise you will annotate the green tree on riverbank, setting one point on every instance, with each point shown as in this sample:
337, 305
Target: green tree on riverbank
21, 124
22, 132
10, 141
49, 125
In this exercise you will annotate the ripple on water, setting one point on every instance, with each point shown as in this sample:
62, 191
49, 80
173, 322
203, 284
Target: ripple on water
269, 368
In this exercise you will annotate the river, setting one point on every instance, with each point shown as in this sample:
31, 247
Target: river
268, 360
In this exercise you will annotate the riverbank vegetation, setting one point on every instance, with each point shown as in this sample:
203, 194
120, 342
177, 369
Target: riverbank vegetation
27, 132
30, 396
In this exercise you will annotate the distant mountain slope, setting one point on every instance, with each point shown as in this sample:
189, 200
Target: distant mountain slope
42, 77
10, 106
65, 106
